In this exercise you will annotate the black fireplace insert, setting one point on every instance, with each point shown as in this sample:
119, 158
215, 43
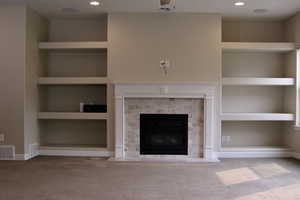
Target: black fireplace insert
164, 134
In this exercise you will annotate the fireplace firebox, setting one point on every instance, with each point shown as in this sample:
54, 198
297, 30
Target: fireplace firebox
164, 134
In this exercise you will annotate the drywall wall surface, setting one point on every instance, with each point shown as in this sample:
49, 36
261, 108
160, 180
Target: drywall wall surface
63, 29
292, 29
191, 42
253, 65
292, 138
253, 133
253, 99
138, 42
235, 31
12, 74
36, 30
68, 133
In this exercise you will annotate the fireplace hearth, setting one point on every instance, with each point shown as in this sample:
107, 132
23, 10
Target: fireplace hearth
164, 134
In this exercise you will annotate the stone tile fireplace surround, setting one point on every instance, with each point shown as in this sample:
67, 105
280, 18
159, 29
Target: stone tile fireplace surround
135, 106
196, 100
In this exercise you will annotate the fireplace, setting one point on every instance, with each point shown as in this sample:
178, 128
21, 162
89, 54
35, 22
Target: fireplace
164, 134
134, 100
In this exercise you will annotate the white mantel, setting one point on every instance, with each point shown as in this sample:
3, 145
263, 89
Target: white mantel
204, 91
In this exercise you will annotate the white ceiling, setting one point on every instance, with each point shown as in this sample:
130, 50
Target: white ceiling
278, 9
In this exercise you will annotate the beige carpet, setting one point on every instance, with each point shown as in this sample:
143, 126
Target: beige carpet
52, 178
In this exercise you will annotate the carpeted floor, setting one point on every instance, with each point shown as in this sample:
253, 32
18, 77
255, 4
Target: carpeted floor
52, 178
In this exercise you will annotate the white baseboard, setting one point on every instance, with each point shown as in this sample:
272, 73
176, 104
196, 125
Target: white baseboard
23, 157
75, 153
255, 154
20, 156
33, 150
30, 156
110, 154
27, 156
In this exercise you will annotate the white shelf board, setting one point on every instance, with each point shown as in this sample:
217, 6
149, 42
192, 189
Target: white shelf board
72, 147
72, 115
259, 81
257, 117
256, 148
73, 45
74, 151
258, 46
72, 81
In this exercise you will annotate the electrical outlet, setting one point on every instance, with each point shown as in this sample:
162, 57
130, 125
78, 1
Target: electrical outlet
224, 139
1, 137
228, 139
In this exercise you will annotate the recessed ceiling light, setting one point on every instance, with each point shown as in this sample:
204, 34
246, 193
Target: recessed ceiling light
239, 3
95, 3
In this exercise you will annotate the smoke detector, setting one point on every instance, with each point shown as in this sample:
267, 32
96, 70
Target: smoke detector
167, 5
260, 11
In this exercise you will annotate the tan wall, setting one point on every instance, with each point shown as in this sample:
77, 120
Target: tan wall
139, 41
12, 71
247, 31
36, 30
292, 27
192, 43
19, 61
292, 138
84, 29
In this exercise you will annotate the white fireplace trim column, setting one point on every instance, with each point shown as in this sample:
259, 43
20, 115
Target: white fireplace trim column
143, 90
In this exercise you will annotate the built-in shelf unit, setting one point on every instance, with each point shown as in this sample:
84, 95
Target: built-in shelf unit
258, 76
74, 71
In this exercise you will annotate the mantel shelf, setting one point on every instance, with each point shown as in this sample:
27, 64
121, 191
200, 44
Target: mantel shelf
73, 45
72, 81
258, 81
258, 46
73, 115
257, 117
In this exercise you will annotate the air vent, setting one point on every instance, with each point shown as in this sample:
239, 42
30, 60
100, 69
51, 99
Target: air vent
167, 5
7, 152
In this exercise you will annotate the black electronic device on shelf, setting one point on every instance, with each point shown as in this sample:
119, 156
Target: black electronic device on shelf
94, 108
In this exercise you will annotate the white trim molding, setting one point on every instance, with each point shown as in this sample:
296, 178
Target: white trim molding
297, 121
21, 157
204, 91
